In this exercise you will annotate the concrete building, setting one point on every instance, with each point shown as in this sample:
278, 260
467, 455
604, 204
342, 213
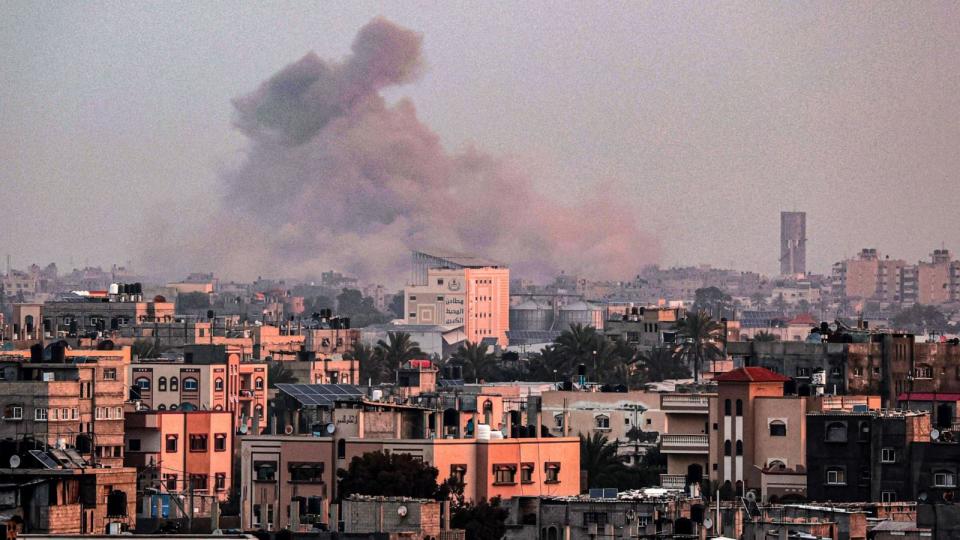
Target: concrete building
793, 243
177, 452
647, 327
685, 438
102, 311
416, 519
476, 298
66, 398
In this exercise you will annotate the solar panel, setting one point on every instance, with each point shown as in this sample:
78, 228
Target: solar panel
76, 457
320, 394
44, 459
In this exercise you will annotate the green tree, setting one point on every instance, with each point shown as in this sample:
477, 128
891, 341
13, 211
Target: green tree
390, 475
396, 306
764, 336
360, 309
478, 362
711, 300
146, 348
481, 520
699, 337
278, 373
661, 364
759, 300
598, 457
397, 349
921, 318
373, 368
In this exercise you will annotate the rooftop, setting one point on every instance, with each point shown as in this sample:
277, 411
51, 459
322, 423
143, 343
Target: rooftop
751, 374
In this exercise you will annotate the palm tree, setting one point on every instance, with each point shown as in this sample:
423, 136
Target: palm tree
476, 359
277, 373
372, 366
576, 346
764, 336
661, 364
398, 349
598, 457
699, 335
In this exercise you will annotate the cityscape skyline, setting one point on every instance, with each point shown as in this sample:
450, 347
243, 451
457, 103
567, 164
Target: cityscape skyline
855, 130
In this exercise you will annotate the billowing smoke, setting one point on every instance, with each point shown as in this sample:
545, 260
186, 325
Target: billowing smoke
334, 177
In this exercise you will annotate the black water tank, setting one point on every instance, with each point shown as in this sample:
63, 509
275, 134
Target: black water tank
36, 353
58, 352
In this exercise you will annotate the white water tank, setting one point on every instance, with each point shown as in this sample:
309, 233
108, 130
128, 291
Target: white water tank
483, 432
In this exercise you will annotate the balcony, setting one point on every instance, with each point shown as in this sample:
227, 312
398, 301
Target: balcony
685, 444
684, 403
673, 481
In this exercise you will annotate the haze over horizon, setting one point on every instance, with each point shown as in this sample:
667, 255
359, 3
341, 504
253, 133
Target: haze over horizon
701, 121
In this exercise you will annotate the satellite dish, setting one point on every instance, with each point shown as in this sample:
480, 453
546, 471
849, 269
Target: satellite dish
935, 434
707, 523
243, 429
402, 511
288, 430
331, 428
14, 461
751, 496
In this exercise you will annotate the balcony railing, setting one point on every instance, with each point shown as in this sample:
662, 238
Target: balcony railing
673, 481
684, 444
674, 403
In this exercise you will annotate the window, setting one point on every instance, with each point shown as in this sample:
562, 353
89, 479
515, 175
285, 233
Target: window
888, 455
143, 384
258, 385
551, 473
836, 476
836, 432
110, 374
595, 518
803, 372
218, 384
170, 480
858, 372
342, 449
526, 473
457, 473
558, 421
220, 442
174, 384
888, 496
727, 448
134, 445
602, 422
171, 443
198, 482
198, 443
776, 465
117, 413
412, 315
504, 474
309, 473
778, 428
266, 471
739, 448
220, 481
13, 412
40, 414
162, 384
836, 372
726, 407
190, 385
739, 407
944, 479
863, 433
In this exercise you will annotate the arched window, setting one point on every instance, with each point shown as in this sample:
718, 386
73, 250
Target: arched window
258, 384
739, 448
487, 412
864, 431
836, 432
162, 384
727, 448
161, 407
726, 407
602, 421
173, 407
739, 407
776, 465
218, 408
174, 384
143, 384
190, 385
778, 428
218, 384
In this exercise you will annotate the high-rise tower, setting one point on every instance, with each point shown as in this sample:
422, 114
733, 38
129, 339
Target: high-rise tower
793, 243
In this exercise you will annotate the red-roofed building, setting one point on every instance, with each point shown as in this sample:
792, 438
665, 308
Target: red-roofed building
752, 375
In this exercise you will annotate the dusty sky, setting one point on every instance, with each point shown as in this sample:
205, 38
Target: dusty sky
706, 118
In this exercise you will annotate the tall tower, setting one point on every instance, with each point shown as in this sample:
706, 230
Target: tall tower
793, 243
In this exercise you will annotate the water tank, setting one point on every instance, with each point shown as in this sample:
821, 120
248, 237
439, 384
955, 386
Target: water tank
376, 395
483, 432
531, 316
494, 434
579, 313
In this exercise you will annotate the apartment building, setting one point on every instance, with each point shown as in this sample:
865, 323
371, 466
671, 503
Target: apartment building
177, 452
66, 398
206, 377
685, 439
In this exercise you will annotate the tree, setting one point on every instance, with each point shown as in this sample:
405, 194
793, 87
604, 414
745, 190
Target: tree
477, 361
598, 457
481, 520
699, 336
390, 475
146, 348
759, 300
278, 373
372, 365
396, 306
661, 364
764, 336
398, 349
576, 346
360, 309
921, 318
711, 300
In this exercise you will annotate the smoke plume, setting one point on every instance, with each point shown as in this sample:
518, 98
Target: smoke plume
334, 177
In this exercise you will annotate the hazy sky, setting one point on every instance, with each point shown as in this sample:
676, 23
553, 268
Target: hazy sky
706, 118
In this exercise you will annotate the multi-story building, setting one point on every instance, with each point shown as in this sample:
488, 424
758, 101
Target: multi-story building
178, 452
66, 398
460, 291
685, 439
793, 243
646, 327
102, 311
892, 281
206, 377
934, 279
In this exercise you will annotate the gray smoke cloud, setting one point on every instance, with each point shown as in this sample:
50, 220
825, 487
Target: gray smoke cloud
335, 177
